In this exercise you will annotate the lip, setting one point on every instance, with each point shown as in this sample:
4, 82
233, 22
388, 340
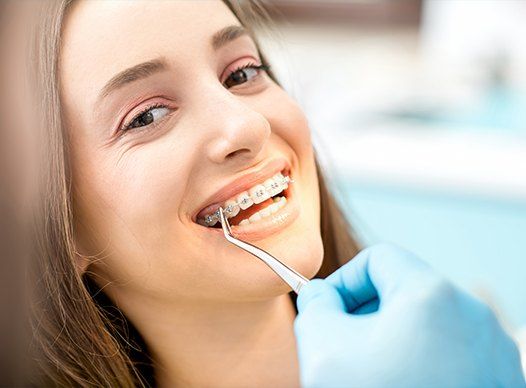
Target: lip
241, 184
266, 226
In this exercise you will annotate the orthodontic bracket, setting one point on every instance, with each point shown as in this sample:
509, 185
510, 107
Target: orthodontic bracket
212, 219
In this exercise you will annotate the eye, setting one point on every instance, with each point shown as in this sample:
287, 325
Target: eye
243, 74
147, 117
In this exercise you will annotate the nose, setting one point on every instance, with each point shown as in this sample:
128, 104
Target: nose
238, 133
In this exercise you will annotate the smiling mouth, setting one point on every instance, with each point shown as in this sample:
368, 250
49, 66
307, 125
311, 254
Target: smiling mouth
253, 205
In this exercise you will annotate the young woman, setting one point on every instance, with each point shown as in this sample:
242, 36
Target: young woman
155, 113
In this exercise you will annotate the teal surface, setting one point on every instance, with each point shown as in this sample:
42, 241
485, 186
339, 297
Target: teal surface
479, 243
499, 110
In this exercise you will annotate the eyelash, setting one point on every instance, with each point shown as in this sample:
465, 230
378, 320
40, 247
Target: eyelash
250, 65
127, 127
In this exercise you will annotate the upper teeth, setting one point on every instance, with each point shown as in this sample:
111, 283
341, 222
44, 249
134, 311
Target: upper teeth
254, 195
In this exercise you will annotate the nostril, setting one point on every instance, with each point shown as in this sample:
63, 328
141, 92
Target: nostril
237, 152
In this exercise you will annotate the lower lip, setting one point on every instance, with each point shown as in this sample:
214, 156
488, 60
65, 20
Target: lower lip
267, 226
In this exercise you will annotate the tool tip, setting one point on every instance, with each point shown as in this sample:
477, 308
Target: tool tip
224, 222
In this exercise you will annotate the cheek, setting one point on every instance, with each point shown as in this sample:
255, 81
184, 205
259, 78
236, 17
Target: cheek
288, 121
132, 207
141, 191
289, 124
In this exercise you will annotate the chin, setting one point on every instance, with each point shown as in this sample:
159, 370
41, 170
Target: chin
301, 250
286, 226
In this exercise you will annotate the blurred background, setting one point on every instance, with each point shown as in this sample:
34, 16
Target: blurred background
418, 110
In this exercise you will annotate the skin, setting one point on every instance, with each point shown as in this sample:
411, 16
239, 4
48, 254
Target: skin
210, 313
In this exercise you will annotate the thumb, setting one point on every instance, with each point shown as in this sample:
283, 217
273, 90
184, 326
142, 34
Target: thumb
320, 313
375, 273
319, 296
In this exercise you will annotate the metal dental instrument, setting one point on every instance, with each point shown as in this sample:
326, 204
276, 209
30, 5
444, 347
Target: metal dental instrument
291, 277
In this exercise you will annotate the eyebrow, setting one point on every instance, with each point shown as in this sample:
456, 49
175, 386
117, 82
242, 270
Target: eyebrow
147, 69
226, 35
132, 74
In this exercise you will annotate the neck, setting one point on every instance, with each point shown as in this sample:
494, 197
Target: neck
227, 345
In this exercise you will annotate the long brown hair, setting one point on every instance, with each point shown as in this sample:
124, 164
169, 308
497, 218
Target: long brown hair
79, 337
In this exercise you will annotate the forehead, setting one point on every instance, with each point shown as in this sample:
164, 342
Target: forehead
101, 38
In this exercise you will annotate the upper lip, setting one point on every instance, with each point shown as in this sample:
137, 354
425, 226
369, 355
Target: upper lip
241, 184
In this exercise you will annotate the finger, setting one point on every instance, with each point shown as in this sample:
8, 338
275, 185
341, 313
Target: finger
377, 272
320, 311
353, 282
320, 297
368, 307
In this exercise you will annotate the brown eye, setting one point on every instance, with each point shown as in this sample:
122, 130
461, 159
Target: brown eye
146, 118
243, 74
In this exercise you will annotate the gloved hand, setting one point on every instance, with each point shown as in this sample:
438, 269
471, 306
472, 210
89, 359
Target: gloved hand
425, 332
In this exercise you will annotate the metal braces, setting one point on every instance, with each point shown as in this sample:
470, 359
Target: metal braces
211, 219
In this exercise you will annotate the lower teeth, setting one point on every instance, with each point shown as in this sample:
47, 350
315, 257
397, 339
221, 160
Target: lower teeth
278, 203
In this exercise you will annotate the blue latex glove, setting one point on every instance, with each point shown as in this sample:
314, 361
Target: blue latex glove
424, 332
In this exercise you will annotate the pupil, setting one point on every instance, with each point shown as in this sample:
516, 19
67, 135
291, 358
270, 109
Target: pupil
144, 119
239, 76
236, 78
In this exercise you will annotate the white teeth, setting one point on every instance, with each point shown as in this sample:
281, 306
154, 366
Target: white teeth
231, 208
244, 200
201, 221
255, 195
258, 194
211, 219
254, 217
266, 212
272, 187
284, 182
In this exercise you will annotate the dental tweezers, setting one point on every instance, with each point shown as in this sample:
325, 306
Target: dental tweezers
289, 276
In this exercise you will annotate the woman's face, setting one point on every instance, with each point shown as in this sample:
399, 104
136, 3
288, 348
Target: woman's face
161, 126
